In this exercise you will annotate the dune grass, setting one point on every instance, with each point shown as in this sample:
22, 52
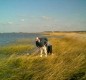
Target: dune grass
15, 49
19, 47
67, 63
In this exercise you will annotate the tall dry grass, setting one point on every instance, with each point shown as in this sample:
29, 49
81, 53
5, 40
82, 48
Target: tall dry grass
67, 63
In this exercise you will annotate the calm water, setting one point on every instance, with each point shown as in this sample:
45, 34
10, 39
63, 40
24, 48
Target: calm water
6, 38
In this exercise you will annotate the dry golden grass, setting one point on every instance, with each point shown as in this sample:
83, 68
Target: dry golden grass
67, 63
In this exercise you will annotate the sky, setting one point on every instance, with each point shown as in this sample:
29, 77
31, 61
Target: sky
42, 15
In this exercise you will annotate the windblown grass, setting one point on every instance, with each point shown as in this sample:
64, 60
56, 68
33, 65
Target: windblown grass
18, 47
15, 49
67, 63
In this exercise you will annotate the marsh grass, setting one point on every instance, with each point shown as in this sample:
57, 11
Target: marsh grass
21, 46
15, 49
67, 63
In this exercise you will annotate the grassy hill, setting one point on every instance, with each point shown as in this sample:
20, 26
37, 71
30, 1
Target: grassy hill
67, 63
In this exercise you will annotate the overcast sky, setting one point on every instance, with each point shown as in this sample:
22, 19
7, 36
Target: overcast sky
42, 15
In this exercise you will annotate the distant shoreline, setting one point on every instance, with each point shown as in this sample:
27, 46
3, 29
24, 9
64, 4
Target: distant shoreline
38, 32
64, 31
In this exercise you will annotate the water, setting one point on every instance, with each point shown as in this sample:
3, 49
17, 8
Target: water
6, 38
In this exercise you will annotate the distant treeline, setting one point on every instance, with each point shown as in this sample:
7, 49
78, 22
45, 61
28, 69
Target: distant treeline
67, 31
